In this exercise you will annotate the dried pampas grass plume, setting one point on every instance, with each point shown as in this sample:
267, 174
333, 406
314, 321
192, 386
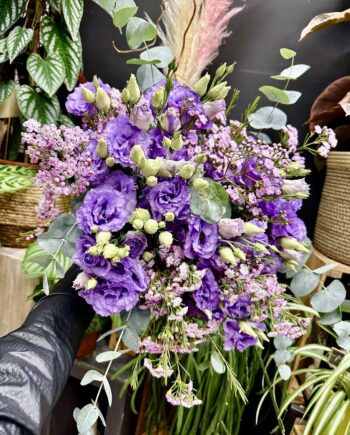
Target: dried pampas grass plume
194, 31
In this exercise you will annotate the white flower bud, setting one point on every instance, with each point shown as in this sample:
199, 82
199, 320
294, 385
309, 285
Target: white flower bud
94, 251
239, 254
161, 225
151, 181
110, 251
125, 96
201, 86
88, 96
226, 254
200, 184
137, 155
102, 149
292, 243
110, 162
141, 213
221, 70
103, 237
92, 283
95, 81
187, 171
150, 167
166, 143
177, 142
158, 98
201, 158
165, 238
219, 92
147, 256
151, 226
103, 102
251, 229
134, 90
169, 216
137, 224
259, 247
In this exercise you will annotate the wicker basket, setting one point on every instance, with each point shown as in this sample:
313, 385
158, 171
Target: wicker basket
18, 215
332, 231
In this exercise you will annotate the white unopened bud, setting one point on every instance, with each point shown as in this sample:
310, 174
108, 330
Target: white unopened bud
219, 92
239, 254
251, 229
102, 149
92, 283
161, 225
201, 85
141, 213
103, 237
259, 247
94, 251
166, 143
103, 102
151, 181
177, 142
292, 243
187, 171
147, 256
158, 98
110, 251
110, 162
151, 226
165, 238
226, 254
125, 96
200, 184
137, 155
95, 81
137, 224
88, 95
150, 167
169, 216
133, 89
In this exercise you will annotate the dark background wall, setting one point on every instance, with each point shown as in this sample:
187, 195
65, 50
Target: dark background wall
258, 32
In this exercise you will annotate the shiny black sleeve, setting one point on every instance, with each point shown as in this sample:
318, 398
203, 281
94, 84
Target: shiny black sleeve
36, 359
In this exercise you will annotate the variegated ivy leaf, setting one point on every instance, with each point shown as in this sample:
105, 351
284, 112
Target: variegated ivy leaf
73, 12
48, 73
10, 12
6, 89
3, 46
17, 40
56, 39
13, 178
36, 105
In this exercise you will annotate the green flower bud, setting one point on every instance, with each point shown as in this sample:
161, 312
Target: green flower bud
95, 81
88, 96
219, 92
230, 68
289, 265
137, 155
110, 251
134, 90
151, 226
92, 283
221, 70
94, 251
201, 85
165, 238
169, 216
123, 252
187, 171
177, 142
125, 96
103, 237
141, 213
292, 243
239, 254
147, 256
226, 254
150, 167
202, 158
151, 181
247, 329
251, 229
296, 170
103, 102
110, 162
200, 184
158, 98
259, 247
161, 225
94, 229
166, 142
137, 224
102, 149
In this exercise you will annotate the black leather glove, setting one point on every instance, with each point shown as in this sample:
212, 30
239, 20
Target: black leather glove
36, 359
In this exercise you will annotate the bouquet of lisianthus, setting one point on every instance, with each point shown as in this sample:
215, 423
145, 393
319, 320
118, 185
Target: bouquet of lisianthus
181, 219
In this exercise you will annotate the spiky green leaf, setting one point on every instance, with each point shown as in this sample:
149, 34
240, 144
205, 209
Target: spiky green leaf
56, 39
10, 12
13, 178
48, 73
73, 12
17, 40
6, 89
36, 105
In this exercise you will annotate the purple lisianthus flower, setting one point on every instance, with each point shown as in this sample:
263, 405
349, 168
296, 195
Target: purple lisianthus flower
170, 120
109, 298
156, 148
121, 136
126, 184
207, 297
229, 228
173, 195
294, 228
248, 174
104, 208
272, 264
91, 264
236, 339
240, 308
201, 239
76, 104
130, 271
141, 115
137, 242
99, 167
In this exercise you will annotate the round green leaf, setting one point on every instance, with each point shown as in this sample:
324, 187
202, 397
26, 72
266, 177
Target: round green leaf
304, 282
330, 318
161, 53
124, 10
36, 105
138, 31
48, 73
284, 371
86, 418
10, 12
217, 363
342, 328
274, 94
329, 299
268, 117
17, 40
282, 343
292, 73
286, 53
148, 75
282, 357
293, 96
6, 89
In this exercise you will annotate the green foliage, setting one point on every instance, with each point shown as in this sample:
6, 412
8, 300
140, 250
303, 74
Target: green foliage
148, 75
280, 96
211, 204
292, 73
10, 12
217, 363
304, 282
17, 41
286, 53
124, 10
14, 178
268, 117
139, 31
86, 417
38, 105
330, 298
48, 73
73, 12
161, 53
6, 89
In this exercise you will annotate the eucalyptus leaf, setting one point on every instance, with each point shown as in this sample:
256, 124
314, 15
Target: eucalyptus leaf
138, 31
292, 73
161, 53
123, 11
87, 417
284, 371
111, 331
275, 94
139, 319
92, 376
148, 75
342, 328
282, 357
326, 268
343, 342
345, 306
330, 318
329, 299
107, 5
108, 391
210, 203
282, 343
217, 363
304, 282
110, 355
286, 53
268, 117
17, 40
130, 338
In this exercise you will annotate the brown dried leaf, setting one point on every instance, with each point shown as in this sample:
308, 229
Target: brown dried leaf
325, 20
345, 104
